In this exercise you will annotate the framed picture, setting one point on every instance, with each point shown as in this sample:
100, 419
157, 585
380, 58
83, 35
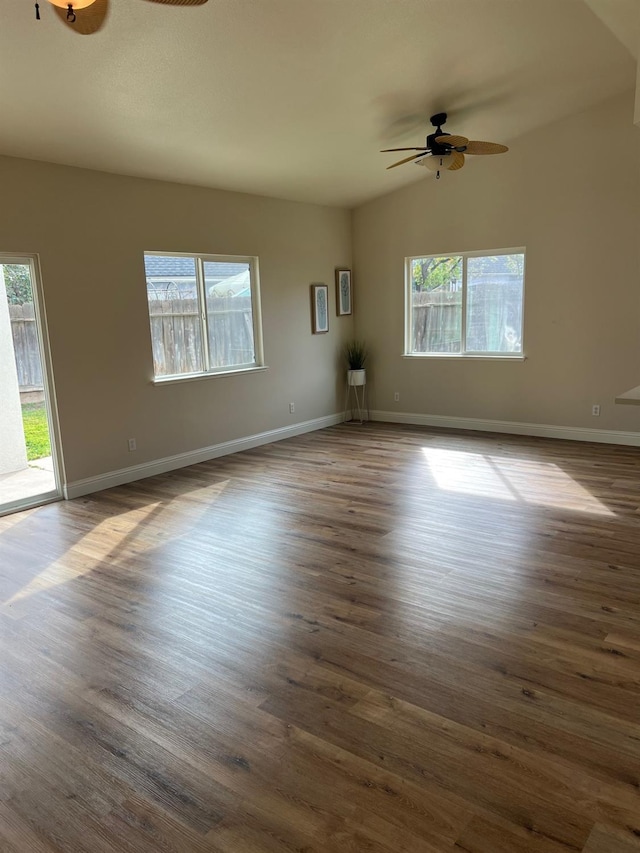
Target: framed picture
344, 296
319, 309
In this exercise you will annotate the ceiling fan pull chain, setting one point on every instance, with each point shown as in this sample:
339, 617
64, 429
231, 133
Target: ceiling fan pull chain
71, 15
37, 12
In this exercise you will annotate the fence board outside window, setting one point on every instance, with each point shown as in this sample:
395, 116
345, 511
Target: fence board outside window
25, 345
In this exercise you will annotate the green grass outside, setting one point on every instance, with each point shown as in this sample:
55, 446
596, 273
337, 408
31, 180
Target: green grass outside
36, 430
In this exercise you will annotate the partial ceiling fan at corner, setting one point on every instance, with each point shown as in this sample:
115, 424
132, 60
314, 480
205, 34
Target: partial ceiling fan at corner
445, 150
87, 16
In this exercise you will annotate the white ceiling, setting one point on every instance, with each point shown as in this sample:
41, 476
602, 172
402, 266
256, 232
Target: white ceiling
294, 98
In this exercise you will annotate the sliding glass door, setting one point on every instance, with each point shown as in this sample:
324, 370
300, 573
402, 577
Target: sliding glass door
28, 435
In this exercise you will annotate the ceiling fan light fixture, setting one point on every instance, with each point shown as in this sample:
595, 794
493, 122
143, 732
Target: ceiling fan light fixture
436, 162
93, 13
75, 4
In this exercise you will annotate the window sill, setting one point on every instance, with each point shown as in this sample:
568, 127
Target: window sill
465, 356
190, 377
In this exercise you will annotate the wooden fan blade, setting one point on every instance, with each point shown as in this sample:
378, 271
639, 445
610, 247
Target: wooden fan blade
457, 161
453, 141
88, 20
386, 150
406, 159
180, 2
475, 147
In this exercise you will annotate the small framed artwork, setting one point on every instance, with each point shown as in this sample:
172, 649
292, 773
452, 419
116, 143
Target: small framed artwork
319, 309
344, 296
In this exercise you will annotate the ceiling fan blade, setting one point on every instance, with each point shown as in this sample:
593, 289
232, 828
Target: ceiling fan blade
88, 20
475, 147
406, 159
180, 2
386, 150
457, 161
453, 141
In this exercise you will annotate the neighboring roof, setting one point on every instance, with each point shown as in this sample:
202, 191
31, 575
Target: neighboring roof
162, 266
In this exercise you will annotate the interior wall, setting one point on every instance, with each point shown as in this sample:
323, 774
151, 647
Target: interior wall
574, 203
91, 229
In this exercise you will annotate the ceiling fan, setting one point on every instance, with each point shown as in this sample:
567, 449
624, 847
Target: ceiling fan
87, 16
444, 150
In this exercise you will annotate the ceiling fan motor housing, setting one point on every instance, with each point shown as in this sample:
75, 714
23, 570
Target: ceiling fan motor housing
437, 121
437, 148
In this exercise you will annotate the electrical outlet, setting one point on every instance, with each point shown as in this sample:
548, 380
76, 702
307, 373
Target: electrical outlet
396, 397
292, 408
595, 410
131, 443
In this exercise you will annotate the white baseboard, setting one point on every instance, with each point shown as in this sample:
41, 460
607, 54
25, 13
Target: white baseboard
78, 488
602, 436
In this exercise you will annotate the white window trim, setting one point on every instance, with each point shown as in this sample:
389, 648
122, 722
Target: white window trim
256, 314
190, 377
507, 356
471, 354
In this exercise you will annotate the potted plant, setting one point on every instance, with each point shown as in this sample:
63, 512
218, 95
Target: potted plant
356, 356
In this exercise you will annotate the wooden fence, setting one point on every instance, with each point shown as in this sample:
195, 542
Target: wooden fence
25, 345
494, 319
176, 330
176, 334
437, 325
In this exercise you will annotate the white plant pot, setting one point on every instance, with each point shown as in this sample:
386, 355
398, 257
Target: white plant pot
357, 377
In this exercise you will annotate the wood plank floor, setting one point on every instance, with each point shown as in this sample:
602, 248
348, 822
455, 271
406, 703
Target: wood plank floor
369, 638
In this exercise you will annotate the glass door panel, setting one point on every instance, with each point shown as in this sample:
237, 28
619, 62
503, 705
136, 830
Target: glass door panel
28, 473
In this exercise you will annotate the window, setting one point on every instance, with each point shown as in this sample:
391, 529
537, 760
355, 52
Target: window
204, 312
465, 304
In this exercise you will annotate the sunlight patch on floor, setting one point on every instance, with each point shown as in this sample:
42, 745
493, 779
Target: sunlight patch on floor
527, 481
96, 546
7, 521
119, 538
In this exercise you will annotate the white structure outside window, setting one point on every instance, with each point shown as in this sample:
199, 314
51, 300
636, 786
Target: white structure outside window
467, 304
204, 312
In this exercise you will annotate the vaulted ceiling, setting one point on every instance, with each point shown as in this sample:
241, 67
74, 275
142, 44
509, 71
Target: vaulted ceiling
294, 98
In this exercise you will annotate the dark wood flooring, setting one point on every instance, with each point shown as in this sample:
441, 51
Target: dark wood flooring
369, 638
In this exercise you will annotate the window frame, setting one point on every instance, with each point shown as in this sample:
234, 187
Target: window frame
472, 354
200, 258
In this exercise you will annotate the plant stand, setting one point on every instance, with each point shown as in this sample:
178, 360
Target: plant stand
355, 402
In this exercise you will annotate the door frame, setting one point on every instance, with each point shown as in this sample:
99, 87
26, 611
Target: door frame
32, 260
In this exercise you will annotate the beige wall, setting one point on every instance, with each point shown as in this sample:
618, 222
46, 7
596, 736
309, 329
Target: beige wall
575, 208
573, 200
90, 230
